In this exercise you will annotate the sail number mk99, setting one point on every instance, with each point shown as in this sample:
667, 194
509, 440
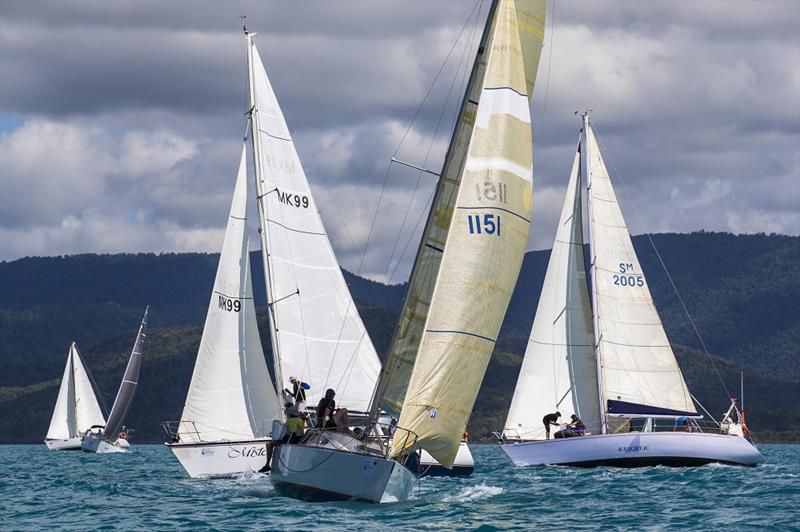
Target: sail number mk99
293, 200
231, 305
487, 223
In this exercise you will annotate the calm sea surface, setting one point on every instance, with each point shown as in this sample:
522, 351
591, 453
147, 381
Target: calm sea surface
147, 489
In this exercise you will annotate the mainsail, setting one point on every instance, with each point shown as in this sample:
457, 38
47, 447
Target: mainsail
559, 372
127, 387
638, 371
317, 333
231, 396
530, 15
76, 408
482, 247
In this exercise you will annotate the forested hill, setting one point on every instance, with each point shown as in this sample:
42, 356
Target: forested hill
742, 291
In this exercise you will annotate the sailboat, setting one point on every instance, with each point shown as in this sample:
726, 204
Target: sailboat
111, 436
599, 350
231, 403
76, 408
464, 273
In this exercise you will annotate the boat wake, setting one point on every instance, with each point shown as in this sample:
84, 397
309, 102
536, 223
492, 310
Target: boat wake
472, 493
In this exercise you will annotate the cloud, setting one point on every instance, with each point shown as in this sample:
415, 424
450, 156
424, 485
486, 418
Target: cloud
127, 122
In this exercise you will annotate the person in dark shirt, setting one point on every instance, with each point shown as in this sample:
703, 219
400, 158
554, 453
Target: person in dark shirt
298, 393
550, 419
329, 417
577, 425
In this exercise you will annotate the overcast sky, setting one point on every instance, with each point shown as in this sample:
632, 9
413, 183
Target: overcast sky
121, 122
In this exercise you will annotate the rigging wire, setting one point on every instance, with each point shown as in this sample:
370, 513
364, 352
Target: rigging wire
663, 265
405, 134
549, 57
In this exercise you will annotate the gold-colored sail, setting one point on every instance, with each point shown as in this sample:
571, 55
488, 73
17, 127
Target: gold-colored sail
482, 233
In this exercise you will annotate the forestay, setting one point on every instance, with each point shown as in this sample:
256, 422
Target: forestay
76, 408
318, 335
127, 387
482, 254
640, 375
559, 371
231, 396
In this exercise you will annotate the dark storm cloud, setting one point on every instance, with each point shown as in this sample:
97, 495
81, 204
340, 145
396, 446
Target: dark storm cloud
132, 113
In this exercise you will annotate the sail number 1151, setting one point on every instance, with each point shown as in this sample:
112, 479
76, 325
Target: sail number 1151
486, 223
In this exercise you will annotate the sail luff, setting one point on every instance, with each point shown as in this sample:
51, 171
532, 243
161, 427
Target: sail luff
586, 171
262, 216
558, 371
127, 387
403, 348
482, 255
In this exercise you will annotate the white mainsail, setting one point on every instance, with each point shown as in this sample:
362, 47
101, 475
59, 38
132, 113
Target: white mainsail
638, 371
559, 371
482, 252
317, 333
231, 396
76, 408
530, 15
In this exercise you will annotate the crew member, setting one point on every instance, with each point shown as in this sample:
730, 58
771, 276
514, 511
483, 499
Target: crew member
548, 420
330, 417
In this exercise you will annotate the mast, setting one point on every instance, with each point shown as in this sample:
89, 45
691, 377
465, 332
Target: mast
585, 170
262, 229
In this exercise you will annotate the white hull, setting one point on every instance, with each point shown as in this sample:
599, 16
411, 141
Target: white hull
636, 449
463, 466
72, 444
323, 474
221, 459
94, 443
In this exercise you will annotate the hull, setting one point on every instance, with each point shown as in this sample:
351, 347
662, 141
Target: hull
221, 459
636, 449
94, 443
72, 444
313, 473
462, 467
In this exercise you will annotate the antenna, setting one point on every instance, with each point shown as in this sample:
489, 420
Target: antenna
243, 18
587, 113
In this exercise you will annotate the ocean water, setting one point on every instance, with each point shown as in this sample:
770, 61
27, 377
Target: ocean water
148, 490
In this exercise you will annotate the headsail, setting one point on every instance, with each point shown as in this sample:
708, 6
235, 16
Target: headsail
408, 334
76, 408
231, 396
482, 253
559, 372
639, 373
317, 333
127, 387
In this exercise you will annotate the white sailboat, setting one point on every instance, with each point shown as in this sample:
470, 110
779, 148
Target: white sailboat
76, 408
112, 438
606, 358
231, 403
464, 273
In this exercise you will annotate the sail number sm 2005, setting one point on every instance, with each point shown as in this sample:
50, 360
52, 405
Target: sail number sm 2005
231, 305
625, 277
484, 224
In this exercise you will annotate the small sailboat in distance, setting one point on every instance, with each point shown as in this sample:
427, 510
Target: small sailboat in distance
231, 403
605, 358
111, 437
76, 408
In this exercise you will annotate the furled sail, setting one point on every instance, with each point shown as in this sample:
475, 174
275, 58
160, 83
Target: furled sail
231, 396
408, 334
559, 372
481, 256
76, 408
639, 373
127, 387
317, 332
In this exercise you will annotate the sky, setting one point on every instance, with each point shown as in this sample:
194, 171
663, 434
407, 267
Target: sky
121, 122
